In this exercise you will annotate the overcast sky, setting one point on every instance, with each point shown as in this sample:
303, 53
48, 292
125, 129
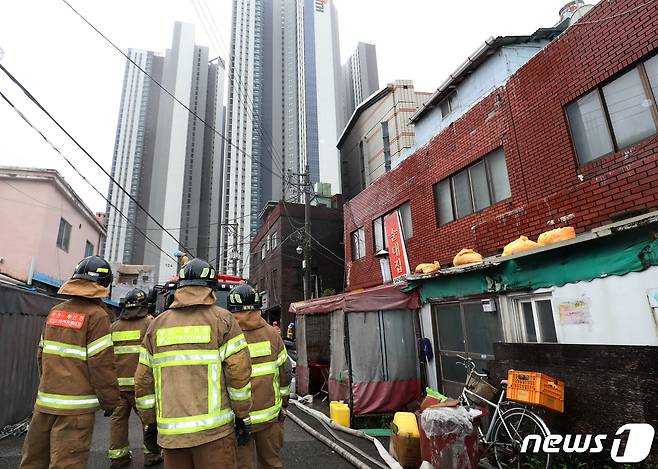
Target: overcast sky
78, 77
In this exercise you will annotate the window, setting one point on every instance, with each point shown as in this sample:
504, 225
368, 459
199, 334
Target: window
89, 249
379, 233
64, 235
616, 115
263, 251
387, 147
535, 319
358, 244
448, 104
273, 240
472, 189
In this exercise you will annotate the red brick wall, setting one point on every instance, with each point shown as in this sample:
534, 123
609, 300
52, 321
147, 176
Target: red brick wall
526, 117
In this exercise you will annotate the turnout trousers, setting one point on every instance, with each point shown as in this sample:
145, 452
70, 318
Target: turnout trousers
264, 448
119, 445
57, 441
218, 453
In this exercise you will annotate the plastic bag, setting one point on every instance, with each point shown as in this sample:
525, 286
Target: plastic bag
446, 420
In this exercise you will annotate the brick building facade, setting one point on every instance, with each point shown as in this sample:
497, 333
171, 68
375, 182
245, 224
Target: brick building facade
526, 118
276, 266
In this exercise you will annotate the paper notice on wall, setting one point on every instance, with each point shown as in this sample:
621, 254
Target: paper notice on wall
575, 311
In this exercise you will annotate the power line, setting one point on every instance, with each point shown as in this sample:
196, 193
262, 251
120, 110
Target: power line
196, 116
27, 121
133, 199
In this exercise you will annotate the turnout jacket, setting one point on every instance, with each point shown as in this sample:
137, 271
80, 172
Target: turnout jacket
127, 335
269, 384
193, 372
76, 361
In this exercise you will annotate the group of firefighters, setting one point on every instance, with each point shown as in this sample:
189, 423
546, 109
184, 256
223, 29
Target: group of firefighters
211, 386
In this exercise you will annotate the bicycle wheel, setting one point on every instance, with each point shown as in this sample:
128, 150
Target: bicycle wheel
512, 427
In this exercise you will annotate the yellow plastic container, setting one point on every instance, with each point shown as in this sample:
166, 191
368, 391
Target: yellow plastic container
405, 440
340, 413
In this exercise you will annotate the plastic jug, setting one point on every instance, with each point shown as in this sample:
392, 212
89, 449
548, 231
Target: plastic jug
340, 413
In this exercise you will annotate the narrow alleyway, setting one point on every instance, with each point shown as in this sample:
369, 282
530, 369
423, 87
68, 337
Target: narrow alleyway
300, 451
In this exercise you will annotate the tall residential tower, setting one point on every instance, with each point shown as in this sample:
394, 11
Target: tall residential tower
360, 78
282, 113
167, 158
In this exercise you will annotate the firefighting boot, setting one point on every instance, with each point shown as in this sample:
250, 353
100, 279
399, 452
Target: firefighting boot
151, 459
120, 462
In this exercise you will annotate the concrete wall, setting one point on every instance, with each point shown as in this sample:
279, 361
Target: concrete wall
526, 118
31, 209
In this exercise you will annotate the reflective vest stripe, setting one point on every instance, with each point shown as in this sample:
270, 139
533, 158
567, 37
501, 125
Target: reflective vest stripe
145, 357
122, 336
124, 349
265, 415
260, 349
64, 350
232, 346
126, 381
182, 425
185, 357
284, 391
118, 453
145, 402
98, 345
61, 401
213, 387
241, 394
282, 357
261, 369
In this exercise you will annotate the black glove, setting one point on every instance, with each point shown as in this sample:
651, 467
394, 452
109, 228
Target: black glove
242, 431
108, 413
151, 438
282, 415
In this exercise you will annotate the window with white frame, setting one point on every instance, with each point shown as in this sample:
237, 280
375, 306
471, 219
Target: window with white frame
273, 240
379, 233
534, 316
358, 244
448, 104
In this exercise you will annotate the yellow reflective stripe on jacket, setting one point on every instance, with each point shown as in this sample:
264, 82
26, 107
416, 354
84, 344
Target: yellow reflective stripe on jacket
126, 381
62, 401
124, 349
197, 423
118, 453
183, 335
265, 415
261, 369
185, 357
98, 345
260, 349
145, 357
122, 336
232, 346
64, 350
145, 402
284, 391
282, 357
241, 394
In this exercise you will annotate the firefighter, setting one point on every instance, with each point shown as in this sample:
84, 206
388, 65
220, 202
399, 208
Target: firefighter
270, 380
193, 376
77, 372
127, 334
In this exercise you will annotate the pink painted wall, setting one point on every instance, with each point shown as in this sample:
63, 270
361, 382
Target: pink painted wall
30, 212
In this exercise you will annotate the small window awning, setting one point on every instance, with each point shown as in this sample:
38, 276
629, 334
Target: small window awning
630, 246
382, 298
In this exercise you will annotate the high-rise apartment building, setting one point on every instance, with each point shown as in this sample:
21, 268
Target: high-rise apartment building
167, 158
360, 78
282, 112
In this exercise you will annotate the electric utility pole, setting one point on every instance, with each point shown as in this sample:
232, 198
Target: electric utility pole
305, 185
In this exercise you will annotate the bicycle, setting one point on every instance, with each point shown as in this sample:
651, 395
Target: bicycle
509, 424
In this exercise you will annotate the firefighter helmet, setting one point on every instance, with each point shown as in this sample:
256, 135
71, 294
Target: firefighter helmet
197, 272
135, 298
243, 298
95, 269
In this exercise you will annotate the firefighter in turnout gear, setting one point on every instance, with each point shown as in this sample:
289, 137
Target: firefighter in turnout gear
193, 376
127, 335
77, 372
270, 380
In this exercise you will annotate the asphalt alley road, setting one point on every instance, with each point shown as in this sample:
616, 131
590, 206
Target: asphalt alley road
300, 449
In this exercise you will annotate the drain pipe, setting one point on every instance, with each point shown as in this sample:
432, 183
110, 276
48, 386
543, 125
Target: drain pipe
334, 446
